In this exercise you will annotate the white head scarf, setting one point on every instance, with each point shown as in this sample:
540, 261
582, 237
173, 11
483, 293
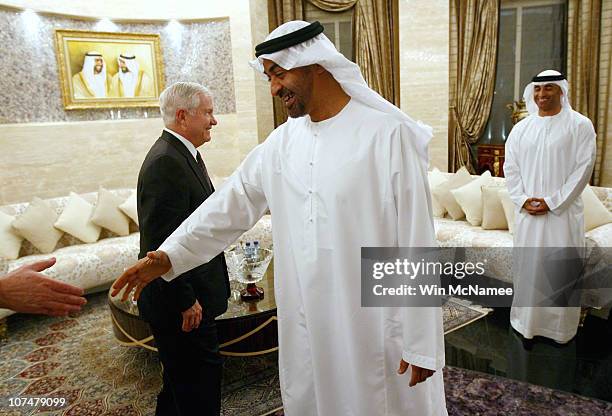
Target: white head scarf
128, 79
320, 50
97, 82
530, 103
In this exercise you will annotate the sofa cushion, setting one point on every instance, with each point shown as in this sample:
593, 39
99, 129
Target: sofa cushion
493, 216
89, 265
129, 207
509, 209
469, 197
36, 226
595, 212
436, 178
76, 220
443, 193
10, 241
108, 215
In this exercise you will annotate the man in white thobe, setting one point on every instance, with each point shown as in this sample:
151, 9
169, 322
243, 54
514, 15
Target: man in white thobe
131, 81
549, 160
92, 81
347, 170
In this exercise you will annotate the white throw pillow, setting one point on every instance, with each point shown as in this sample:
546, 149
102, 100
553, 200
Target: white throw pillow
444, 196
129, 208
508, 206
595, 212
108, 215
469, 198
36, 226
76, 220
10, 241
436, 178
493, 216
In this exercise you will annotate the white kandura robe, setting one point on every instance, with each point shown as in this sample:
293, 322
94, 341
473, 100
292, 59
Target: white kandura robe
332, 187
551, 158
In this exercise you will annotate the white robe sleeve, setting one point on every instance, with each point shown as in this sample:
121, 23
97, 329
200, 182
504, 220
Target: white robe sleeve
514, 182
423, 333
220, 220
580, 176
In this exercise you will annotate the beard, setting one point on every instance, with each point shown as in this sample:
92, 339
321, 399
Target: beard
298, 108
125, 70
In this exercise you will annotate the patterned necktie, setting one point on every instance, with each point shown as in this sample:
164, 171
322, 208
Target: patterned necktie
203, 167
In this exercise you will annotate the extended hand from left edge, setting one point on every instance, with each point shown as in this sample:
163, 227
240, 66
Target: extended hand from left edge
417, 375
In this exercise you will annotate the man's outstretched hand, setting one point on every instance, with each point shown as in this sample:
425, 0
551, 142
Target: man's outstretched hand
142, 273
418, 374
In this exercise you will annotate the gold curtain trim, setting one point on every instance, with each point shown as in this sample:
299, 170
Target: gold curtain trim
333, 6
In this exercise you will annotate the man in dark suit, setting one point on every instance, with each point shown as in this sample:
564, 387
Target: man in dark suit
172, 183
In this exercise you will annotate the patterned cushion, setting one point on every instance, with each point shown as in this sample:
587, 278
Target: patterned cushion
58, 204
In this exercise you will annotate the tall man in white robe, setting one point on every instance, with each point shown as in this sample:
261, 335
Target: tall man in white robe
549, 160
347, 170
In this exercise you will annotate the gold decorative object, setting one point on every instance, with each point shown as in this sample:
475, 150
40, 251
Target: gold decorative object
519, 110
78, 92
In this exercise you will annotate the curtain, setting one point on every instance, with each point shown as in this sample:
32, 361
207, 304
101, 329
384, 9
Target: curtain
375, 40
583, 68
473, 53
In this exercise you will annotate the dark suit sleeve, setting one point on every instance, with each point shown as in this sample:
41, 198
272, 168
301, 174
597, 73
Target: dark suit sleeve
164, 204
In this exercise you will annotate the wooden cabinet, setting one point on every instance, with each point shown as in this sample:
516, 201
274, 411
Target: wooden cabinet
491, 158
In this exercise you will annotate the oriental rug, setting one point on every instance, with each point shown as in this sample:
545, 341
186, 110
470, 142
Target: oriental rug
77, 358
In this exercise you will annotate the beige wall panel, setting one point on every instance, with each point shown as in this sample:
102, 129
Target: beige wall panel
52, 159
424, 43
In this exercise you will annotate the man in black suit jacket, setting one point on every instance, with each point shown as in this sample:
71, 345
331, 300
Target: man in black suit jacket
172, 183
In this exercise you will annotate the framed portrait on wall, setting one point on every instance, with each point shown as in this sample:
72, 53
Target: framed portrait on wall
109, 70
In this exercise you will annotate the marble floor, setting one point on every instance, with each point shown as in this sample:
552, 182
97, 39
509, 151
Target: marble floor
583, 366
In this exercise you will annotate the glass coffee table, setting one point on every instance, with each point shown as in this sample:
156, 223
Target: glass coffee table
246, 329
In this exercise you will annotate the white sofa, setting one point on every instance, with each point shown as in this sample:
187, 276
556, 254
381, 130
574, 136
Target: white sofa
90, 266
459, 233
95, 266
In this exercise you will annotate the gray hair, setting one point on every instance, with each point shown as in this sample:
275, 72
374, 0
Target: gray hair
180, 95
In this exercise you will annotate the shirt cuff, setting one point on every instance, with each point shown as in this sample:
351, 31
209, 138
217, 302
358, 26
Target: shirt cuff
423, 361
170, 275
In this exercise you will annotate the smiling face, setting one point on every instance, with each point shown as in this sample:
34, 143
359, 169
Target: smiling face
98, 65
123, 66
548, 97
294, 87
197, 123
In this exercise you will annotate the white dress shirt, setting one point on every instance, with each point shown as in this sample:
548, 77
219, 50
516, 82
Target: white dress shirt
186, 142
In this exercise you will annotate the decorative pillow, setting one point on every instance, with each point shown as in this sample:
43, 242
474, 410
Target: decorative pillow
469, 198
10, 241
36, 226
595, 212
493, 216
508, 206
444, 196
76, 220
129, 208
436, 178
108, 215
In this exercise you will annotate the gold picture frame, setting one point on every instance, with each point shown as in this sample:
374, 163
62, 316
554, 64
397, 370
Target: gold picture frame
109, 70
